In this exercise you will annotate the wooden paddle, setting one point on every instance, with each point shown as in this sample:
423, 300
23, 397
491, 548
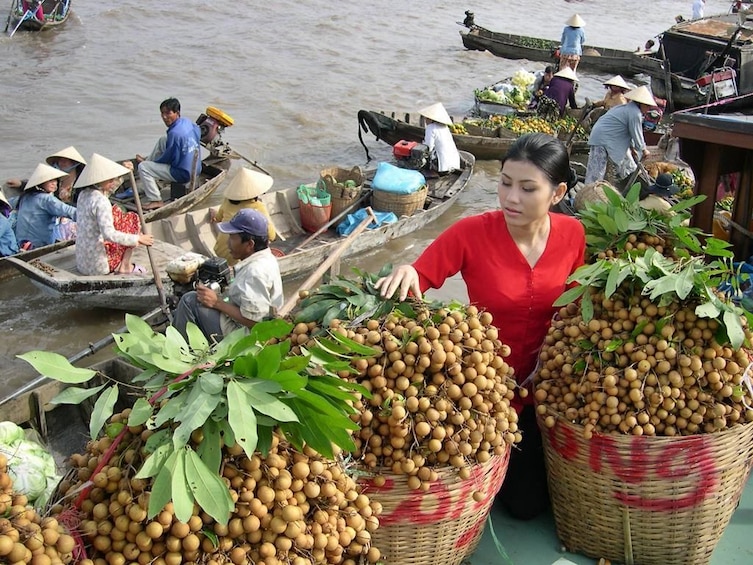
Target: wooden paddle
152, 263
249, 161
18, 25
314, 277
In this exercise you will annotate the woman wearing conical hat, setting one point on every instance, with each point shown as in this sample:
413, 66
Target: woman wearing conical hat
617, 136
444, 154
70, 161
8, 242
571, 43
561, 89
242, 192
37, 208
106, 236
615, 94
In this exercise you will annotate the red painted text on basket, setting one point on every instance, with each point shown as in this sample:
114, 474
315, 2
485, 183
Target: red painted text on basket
688, 460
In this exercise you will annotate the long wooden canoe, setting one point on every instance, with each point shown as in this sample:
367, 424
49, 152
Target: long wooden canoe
211, 179
510, 46
391, 129
56, 12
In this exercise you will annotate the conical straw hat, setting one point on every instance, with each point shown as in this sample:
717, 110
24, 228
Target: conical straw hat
100, 169
617, 81
42, 174
69, 153
576, 21
642, 95
4, 198
248, 184
567, 73
437, 113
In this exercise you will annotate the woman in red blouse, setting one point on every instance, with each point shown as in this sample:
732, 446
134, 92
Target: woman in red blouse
515, 262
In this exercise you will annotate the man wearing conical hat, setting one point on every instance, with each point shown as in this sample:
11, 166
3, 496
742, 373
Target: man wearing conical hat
617, 137
242, 192
571, 43
70, 161
37, 208
444, 154
106, 237
561, 89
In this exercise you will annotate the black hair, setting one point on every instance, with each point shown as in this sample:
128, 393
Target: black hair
546, 153
172, 104
548, 69
260, 241
236, 202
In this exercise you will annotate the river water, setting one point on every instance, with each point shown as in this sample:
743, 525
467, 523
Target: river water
293, 75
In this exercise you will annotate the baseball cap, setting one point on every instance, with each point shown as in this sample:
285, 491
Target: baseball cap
246, 221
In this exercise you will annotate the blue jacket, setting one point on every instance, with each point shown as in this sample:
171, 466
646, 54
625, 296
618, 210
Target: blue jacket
8, 243
36, 213
182, 142
572, 41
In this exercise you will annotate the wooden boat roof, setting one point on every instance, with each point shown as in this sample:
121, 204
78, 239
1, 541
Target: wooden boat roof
719, 28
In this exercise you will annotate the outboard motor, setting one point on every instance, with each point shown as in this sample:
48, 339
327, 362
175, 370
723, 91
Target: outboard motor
211, 125
410, 154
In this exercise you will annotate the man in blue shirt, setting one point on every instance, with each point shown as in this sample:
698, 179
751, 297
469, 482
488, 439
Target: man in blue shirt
173, 156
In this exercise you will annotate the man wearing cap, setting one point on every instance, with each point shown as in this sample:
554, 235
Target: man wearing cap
242, 192
571, 43
659, 196
256, 290
561, 89
616, 135
172, 159
438, 139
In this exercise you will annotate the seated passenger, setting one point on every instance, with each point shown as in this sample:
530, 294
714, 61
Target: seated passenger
561, 89
8, 243
444, 154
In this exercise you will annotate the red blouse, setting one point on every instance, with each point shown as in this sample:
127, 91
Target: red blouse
500, 280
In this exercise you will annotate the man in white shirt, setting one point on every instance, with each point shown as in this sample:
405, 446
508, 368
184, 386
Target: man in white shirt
256, 290
439, 139
698, 6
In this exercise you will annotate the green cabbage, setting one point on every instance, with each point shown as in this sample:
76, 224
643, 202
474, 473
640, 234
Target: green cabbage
10, 432
31, 468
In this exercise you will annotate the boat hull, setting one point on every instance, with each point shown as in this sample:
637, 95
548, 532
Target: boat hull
56, 13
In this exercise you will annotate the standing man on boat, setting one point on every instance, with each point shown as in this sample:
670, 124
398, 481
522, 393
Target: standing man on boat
172, 159
698, 6
571, 43
616, 136
256, 290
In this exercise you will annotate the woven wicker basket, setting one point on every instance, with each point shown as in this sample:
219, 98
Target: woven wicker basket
334, 179
441, 526
400, 204
645, 500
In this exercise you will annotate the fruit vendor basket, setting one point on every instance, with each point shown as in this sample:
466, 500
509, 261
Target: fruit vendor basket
400, 204
441, 526
344, 185
645, 500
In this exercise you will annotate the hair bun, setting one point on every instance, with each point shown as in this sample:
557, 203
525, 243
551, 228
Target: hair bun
572, 179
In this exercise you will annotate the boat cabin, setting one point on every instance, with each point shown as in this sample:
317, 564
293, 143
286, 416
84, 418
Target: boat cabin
719, 149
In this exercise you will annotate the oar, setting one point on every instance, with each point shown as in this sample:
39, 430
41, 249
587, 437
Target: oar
155, 272
328, 262
18, 25
250, 162
336, 219
91, 349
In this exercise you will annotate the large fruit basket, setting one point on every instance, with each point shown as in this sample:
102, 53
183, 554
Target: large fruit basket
440, 526
645, 500
399, 204
344, 185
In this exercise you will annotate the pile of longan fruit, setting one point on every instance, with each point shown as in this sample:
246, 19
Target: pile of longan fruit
25, 536
640, 368
440, 392
291, 508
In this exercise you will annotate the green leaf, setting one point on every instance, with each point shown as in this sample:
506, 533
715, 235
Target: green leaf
707, 310
55, 366
211, 383
685, 282
587, 307
170, 410
210, 448
169, 364
156, 461
290, 380
608, 223
570, 295
198, 406
613, 345
102, 411
138, 327
270, 329
182, 495
265, 403
140, 412
176, 346
246, 366
353, 346
734, 329
162, 487
241, 418
74, 395
196, 338
208, 489
157, 439
328, 386
265, 439
268, 361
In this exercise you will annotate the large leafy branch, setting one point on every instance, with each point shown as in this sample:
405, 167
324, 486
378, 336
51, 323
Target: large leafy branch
235, 391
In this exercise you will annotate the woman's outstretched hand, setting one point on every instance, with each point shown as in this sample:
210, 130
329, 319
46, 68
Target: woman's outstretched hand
405, 278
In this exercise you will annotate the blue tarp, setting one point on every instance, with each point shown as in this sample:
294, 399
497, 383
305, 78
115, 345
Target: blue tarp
352, 220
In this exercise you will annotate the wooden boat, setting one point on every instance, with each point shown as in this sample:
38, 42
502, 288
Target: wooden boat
705, 62
193, 231
213, 173
510, 46
22, 17
484, 147
297, 253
